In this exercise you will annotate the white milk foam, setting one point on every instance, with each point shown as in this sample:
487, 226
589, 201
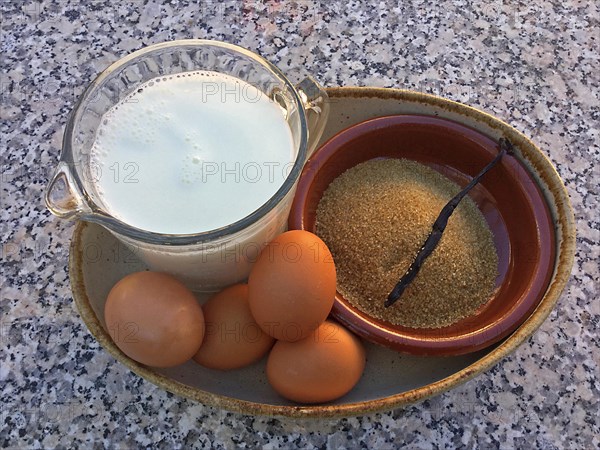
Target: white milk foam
190, 153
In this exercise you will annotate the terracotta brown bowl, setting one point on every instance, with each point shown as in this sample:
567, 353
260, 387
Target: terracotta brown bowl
508, 196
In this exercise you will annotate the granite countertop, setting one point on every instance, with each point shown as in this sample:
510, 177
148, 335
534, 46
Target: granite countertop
533, 64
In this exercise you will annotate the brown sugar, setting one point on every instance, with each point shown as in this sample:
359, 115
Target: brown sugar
374, 219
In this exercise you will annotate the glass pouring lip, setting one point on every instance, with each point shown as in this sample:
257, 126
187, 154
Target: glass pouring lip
99, 216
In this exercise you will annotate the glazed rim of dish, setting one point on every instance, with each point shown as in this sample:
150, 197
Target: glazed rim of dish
561, 212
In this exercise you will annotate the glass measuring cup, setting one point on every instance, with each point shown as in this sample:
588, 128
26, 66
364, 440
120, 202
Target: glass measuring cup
208, 260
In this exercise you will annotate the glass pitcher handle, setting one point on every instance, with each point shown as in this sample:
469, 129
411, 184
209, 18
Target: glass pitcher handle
316, 104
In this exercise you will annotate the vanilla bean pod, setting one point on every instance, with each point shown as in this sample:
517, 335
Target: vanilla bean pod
440, 225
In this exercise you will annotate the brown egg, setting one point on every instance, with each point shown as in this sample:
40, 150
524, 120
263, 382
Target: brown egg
232, 339
154, 319
292, 285
320, 368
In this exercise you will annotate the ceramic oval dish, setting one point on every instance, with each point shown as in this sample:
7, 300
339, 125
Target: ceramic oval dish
97, 261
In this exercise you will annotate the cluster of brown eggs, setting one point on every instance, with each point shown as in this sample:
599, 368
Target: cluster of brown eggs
282, 311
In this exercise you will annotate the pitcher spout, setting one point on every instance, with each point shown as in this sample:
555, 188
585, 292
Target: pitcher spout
62, 197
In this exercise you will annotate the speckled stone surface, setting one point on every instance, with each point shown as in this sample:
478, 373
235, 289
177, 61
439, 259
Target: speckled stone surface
533, 64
